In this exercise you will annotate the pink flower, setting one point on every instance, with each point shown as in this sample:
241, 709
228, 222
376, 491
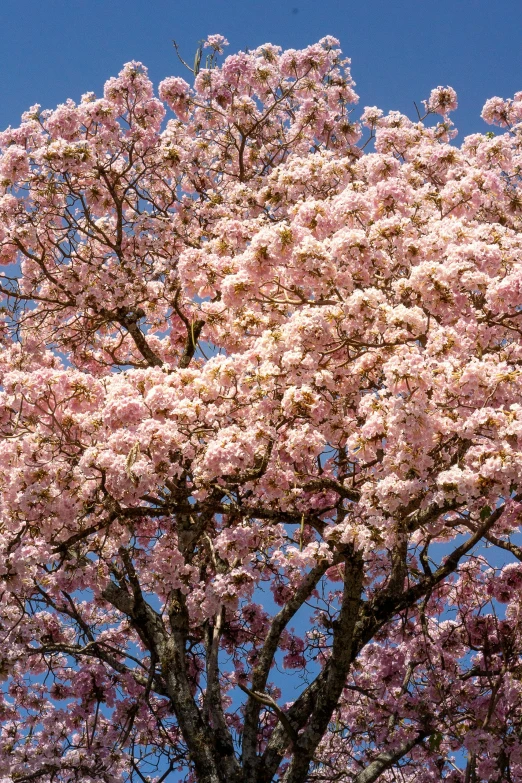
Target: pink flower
216, 42
175, 92
14, 164
442, 100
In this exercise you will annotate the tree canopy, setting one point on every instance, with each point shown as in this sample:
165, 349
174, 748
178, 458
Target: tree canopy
261, 433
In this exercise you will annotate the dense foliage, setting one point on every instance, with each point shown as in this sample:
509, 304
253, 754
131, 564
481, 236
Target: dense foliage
261, 410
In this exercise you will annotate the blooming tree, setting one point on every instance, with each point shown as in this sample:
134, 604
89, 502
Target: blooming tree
261, 410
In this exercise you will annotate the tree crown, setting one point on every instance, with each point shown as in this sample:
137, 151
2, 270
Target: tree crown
259, 361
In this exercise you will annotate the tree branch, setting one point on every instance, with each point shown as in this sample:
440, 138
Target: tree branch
264, 662
387, 759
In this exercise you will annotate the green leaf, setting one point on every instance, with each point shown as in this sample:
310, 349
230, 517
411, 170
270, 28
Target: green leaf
485, 512
197, 59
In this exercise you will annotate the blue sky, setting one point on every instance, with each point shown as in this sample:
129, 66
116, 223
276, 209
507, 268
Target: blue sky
55, 49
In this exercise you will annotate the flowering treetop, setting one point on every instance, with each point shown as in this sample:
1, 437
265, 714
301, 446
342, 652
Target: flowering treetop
254, 373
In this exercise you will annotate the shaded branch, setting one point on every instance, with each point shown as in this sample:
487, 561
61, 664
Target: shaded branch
387, 759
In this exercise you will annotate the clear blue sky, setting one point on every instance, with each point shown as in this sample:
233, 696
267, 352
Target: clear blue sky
54, 49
